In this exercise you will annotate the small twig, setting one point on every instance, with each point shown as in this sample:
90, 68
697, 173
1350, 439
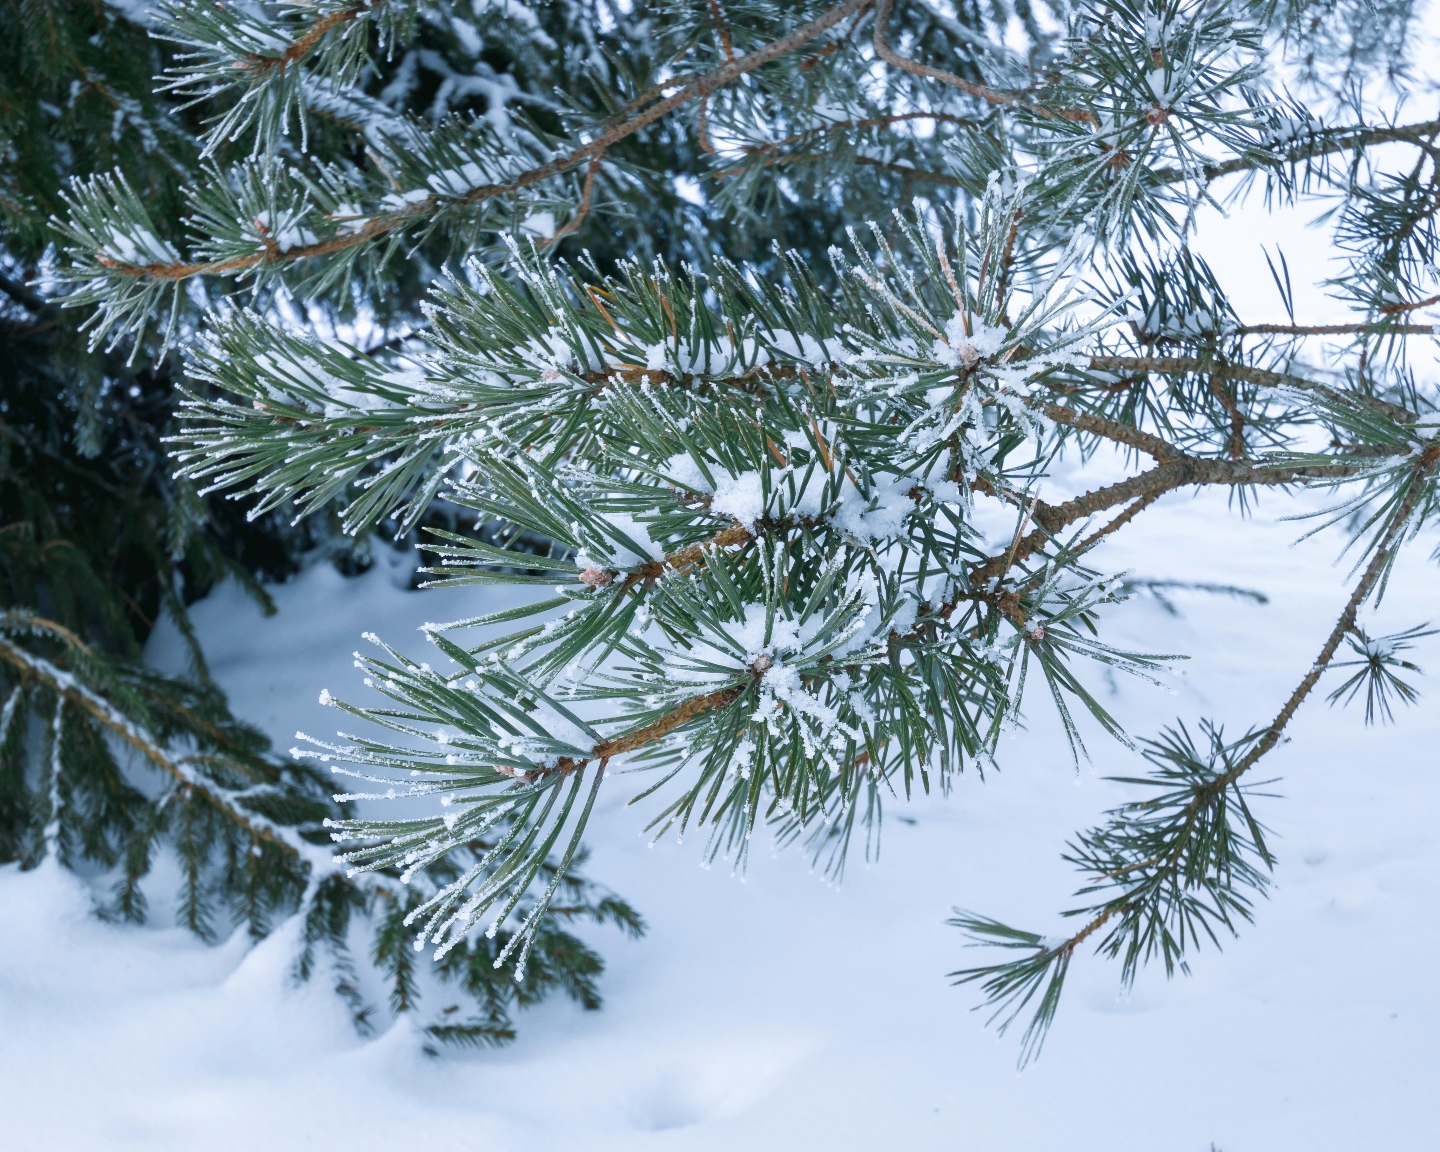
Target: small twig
717, 17
979, 91
1111, 430
299, 48
631, 741
584, 207
1337, 329
1391, 309
1120, 521
1237, 418
702, 126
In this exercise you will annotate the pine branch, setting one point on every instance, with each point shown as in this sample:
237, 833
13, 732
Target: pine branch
1382, 328
749, 491
1187, 862
979, 91
1324, 143
1382, 558
260, 63
422, 210
1177, 470
1127, 435
673, 720
769, 152
1182, 365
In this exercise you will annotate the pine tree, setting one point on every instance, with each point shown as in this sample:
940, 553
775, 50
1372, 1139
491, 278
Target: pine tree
103, 762
756, 471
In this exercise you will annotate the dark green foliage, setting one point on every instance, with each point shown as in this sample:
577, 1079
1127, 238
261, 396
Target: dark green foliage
559, 961
104, 763
76, 97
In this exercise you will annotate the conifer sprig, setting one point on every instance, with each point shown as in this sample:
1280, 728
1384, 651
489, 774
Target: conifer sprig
253, 61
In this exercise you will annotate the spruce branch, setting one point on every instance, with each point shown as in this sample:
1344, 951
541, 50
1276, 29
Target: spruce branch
68, 687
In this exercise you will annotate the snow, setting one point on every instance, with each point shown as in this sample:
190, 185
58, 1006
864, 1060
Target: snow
776, 1011
741, 497
682, 469
891, 497
138, 246
962, 347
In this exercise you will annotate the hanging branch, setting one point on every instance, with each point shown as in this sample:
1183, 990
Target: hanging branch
1198, 855
66, 686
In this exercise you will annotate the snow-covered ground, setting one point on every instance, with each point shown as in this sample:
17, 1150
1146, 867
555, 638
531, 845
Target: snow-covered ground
777, 1012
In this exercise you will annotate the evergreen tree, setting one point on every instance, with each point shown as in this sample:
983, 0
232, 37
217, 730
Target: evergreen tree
103, 762
757, 480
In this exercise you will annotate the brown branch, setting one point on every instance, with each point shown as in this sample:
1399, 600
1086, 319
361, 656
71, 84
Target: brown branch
717, 17
1326, 145
1237, 417
702, 126
695, 706
680, 561
1111, 430
630, 741
695, 89
1121, 520
1336, 329
1177, 471
1391, 309
583, 210
687, 558
1376, 568
258, 63
1177, 365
